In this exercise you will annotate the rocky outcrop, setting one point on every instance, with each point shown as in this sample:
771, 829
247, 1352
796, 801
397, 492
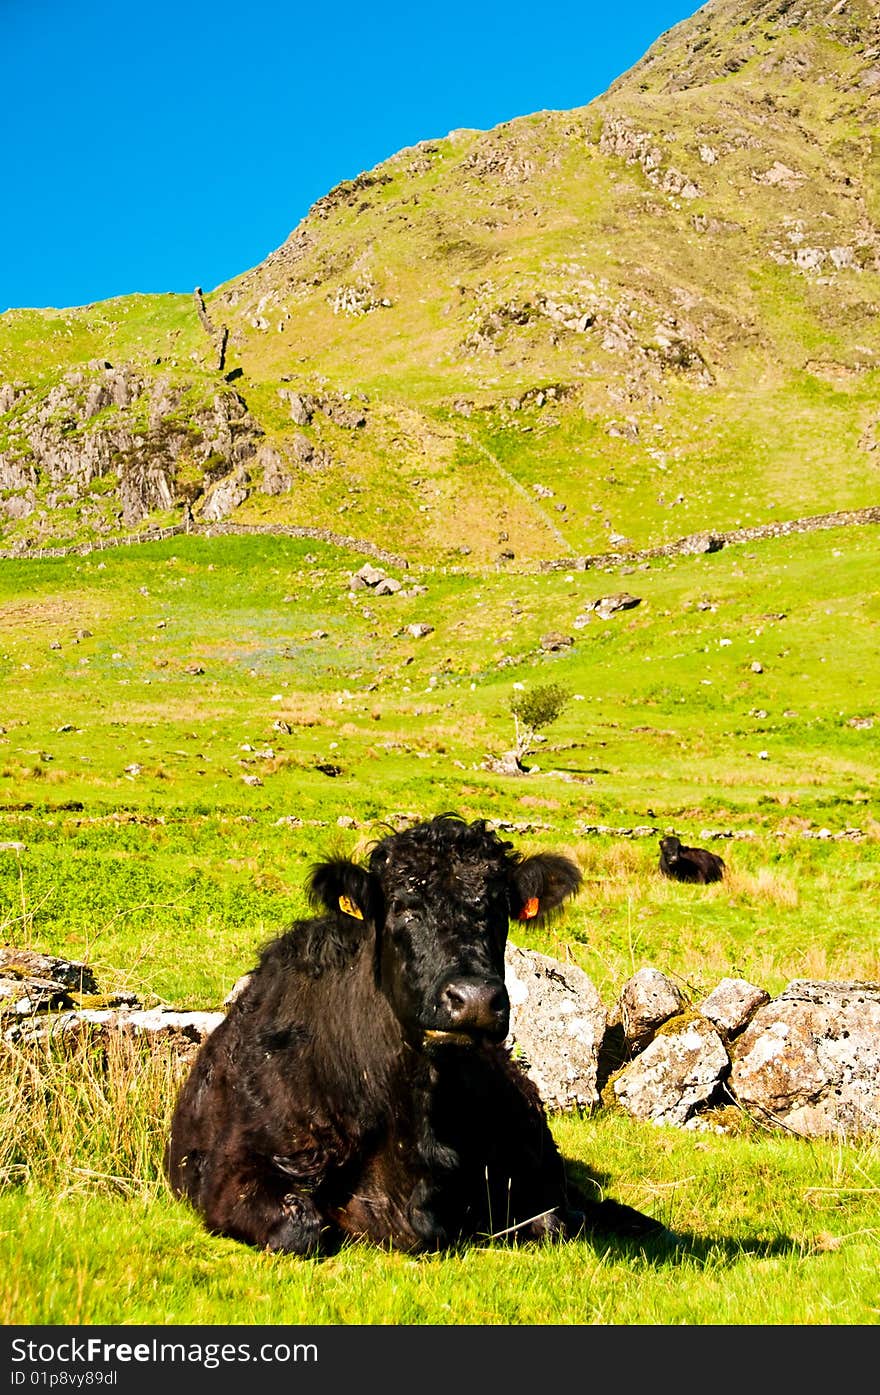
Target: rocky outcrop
226, 496
807, 1061
277, 479
340, 408
118, 426
621, 139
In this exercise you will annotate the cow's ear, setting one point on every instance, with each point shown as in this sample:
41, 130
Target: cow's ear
541, 883
344, 889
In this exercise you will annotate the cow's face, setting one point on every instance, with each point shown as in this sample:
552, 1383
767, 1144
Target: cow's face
442, 943
670, 848
440, 897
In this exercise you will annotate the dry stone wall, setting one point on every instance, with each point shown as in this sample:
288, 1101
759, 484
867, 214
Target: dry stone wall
806, 1061
713, 540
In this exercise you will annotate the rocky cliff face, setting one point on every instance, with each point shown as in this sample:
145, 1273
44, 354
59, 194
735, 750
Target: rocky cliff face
113, 446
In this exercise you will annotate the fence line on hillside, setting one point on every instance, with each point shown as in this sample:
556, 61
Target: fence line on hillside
712, 539
207, 530
708, 540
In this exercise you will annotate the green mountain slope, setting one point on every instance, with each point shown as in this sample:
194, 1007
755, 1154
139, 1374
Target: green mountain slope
653, 314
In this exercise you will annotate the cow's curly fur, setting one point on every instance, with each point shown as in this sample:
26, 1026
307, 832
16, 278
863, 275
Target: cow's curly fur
361, 1085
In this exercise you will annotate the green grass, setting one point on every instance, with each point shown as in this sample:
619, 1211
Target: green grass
667, 727
169, 878
169, 820
802, 1220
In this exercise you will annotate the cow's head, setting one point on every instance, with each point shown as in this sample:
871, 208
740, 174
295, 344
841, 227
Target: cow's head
670, 847
436, 900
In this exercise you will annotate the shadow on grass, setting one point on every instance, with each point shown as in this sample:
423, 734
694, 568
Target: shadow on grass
662, 1245
661, 1249
672, 1247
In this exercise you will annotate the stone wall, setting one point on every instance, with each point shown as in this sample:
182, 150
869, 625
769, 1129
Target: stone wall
713, 540
806, 1061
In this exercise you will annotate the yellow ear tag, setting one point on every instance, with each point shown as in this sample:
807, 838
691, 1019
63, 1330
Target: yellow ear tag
530, 909
348, 906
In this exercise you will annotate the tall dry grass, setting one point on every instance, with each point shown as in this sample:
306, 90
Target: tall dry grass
86, 1116
625, 870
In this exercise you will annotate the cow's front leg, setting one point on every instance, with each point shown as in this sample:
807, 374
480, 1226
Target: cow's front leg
300, 1229
260, 1205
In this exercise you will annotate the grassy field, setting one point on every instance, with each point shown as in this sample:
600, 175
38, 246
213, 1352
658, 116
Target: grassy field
186, 723
771, 1230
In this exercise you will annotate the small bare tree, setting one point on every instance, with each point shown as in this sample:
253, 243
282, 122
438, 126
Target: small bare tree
533, 709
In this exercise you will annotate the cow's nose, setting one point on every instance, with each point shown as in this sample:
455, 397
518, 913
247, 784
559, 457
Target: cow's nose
475, 1004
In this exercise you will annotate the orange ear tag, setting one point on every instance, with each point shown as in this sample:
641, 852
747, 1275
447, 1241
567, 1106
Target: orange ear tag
349, 908
530, 909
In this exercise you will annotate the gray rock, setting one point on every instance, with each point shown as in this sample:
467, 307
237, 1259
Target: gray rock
183, 1031
276, 478
25, 963
22, 997
15, 475
699, 543
557, 1025
507, 764
677, 1072
18, 506
349, 417
606, 606
625, 430
732, 1004
301, 407
647, 1000
227, 495
308, 454
370, 575
810, 1059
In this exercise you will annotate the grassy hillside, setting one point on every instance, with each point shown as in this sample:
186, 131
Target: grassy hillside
580, 332
662, 307
185, 724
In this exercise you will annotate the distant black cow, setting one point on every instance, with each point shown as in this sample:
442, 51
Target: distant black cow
689, 864
360, 1086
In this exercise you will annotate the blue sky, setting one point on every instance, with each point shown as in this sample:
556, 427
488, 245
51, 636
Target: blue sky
162, 146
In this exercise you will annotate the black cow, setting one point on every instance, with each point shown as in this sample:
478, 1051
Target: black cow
689, 864
360, 1085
